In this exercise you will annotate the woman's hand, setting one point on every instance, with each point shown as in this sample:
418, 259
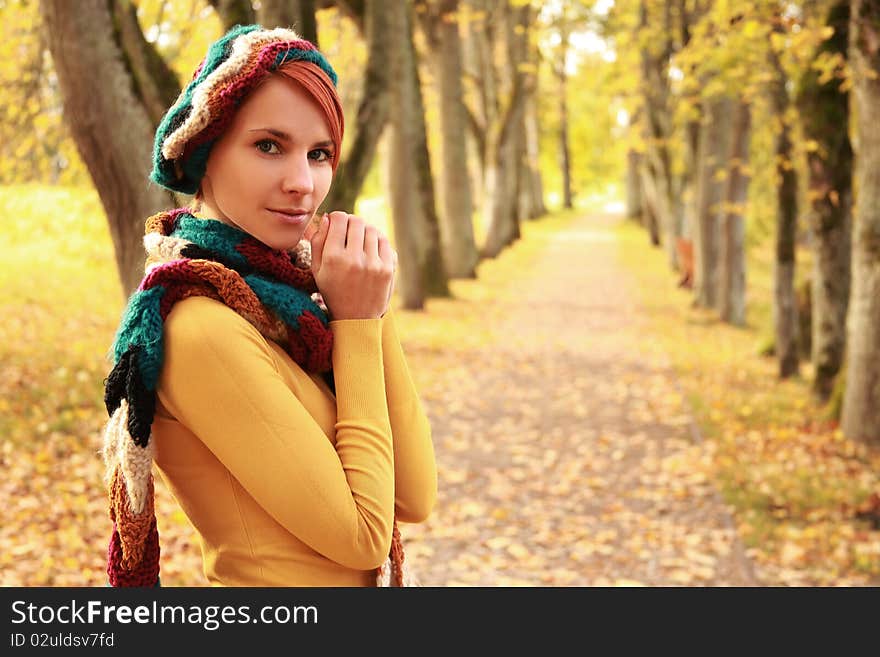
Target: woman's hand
353, 264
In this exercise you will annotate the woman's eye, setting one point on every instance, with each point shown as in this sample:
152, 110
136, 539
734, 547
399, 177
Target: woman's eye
320, 154
266, 146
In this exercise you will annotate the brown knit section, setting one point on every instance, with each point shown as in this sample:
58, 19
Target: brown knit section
161, 222
237, 294
396, 557
133, 528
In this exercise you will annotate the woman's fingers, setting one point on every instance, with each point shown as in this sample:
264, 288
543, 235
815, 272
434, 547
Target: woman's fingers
355, 239
317, 241
337, 231
386, 254
371, 243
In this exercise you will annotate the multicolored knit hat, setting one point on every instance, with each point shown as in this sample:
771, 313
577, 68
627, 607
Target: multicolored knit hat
234, 65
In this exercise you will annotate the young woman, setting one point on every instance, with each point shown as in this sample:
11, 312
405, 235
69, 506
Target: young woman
258, 364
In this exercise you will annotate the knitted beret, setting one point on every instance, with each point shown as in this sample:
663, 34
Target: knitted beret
235, 63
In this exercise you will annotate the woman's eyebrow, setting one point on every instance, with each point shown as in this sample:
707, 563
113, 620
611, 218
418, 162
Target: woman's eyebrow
286, 137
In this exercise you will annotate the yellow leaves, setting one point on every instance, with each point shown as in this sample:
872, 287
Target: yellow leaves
792, 554
518, 551
627, 583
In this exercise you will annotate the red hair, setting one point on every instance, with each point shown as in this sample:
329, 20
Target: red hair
319, 86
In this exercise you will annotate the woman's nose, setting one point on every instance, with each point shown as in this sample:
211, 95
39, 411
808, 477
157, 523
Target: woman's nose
298, 176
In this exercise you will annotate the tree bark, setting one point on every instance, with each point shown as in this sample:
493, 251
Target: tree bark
372, 113
460, 254
531, 189
861, 405
234, 12
155, 82
650, 217
564, 149
298, 15
503, 148
533, 184
111, 126
416, 231
689, 184
824, 111
634, 208
785, 305
711, 159
658, 128
732, 260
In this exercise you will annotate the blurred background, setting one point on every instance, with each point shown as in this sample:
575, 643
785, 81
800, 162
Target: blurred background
726, 150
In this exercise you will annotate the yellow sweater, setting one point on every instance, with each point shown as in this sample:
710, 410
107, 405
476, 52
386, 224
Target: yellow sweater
285, 484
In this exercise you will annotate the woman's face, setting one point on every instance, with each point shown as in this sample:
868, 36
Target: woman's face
271, 169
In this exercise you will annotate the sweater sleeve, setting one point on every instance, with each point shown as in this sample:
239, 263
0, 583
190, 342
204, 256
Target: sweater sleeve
219, 380
415, 470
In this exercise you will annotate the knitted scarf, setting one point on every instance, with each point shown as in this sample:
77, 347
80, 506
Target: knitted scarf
274, 290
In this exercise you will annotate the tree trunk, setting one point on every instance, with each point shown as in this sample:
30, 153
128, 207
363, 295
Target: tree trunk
564, 151
502, 157
372, 113
634, 208
689, 177
460, 254
416, 232
732, 260
110, 125
650, 217
534, 186
785, 305
861, 405
712, 158
155, 82
658, 128
824, 111
234, 12
298, 15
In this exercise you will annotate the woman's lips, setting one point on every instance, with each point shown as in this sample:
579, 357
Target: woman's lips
293, 219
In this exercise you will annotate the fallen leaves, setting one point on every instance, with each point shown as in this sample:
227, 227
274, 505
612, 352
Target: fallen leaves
565, 444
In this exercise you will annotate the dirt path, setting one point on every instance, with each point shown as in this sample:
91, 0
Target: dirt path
566, 454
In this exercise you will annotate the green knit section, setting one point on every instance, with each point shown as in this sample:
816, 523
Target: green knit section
288, 303
142, 325
215, 236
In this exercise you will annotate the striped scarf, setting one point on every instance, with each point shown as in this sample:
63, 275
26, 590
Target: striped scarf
273, 290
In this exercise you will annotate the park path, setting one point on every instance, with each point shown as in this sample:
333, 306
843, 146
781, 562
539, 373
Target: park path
566, 453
